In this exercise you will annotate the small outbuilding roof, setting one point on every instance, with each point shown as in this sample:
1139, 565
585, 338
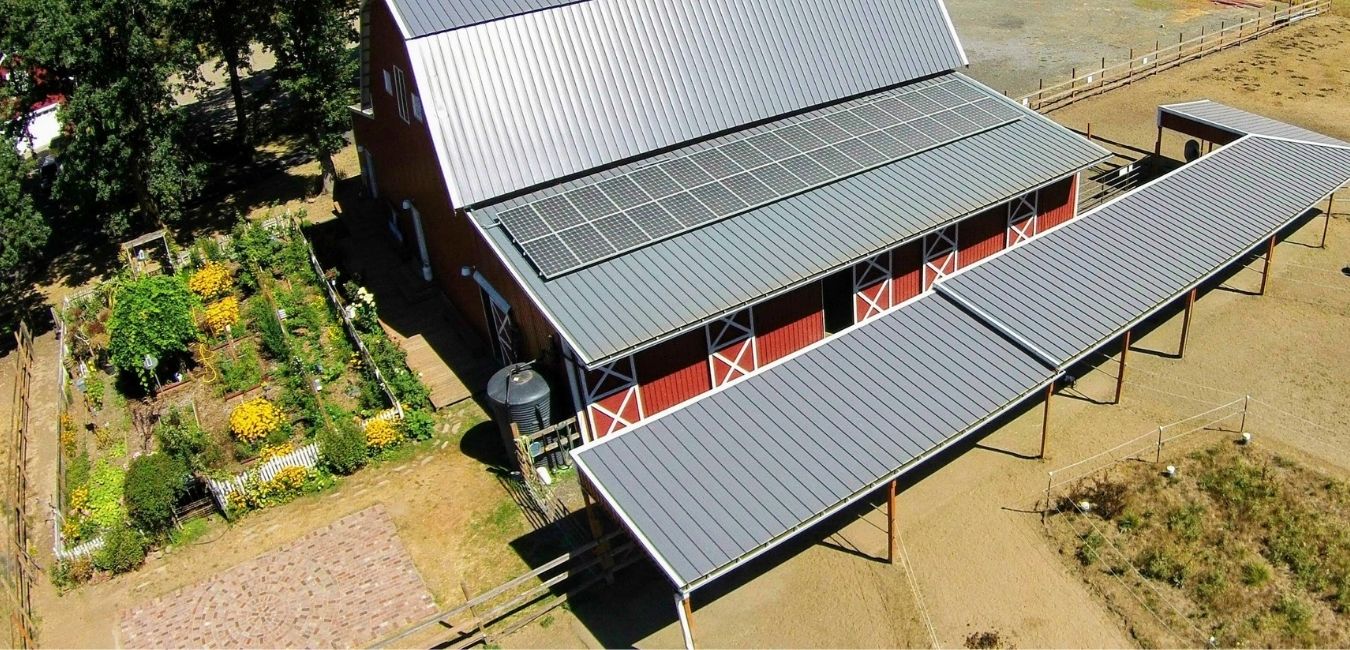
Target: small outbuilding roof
1085, 283
617, 306
1240, 122
520, 102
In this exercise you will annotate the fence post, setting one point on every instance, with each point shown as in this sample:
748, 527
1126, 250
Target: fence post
1242, 426
1049, 483
1129, 75
1157, 458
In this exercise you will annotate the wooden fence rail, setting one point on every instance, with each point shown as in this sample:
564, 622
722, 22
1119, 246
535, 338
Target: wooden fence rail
18, 565
1081, 85
521, 600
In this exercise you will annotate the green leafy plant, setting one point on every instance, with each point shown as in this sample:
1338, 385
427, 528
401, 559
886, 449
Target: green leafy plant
153, 485
274, 341
151, 316
93, 390
419, 424
243, 372
105, 495
342, 447
180, 437
123, 550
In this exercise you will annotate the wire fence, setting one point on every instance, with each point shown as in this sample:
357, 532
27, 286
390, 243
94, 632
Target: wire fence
1084, 84
18, 566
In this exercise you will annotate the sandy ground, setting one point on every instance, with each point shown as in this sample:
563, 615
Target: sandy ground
1014, 43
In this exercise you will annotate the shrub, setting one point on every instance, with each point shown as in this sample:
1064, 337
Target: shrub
93, 390
342, 447
152, 316
153, 486
242, 373
1089, 551
79, 498
180, 437
212, 280
273, 337
123, 550
284, 486
420, 424
381, 434
1186, 521
255, 419
81, 570
221, 314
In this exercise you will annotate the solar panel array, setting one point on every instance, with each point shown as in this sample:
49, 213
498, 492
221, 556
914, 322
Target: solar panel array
577, 228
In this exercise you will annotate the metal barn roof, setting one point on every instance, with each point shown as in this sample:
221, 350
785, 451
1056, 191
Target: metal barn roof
712, 484
1240, 122
629, 302
516, 103
420, 18
1099, 274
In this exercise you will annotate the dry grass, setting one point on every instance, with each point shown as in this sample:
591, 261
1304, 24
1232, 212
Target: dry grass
1243, 544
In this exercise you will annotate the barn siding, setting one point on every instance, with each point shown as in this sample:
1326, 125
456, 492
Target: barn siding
983, 234
406, 167
1056, 203
673, 372
907, 272
789, 323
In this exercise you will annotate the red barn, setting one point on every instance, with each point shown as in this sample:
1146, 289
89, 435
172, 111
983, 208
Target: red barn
655, 212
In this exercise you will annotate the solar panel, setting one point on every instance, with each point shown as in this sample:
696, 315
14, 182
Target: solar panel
716, 163
624, 192
563, 230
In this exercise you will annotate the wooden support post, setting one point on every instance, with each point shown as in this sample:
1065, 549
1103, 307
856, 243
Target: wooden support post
1089, 131
1186, 323
1326, 225
598, 532
1045, 419
1265, 273
890, 523
686, 613
1120, 376
1157, 147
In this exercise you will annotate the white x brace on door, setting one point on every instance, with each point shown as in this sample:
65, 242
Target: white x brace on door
940, 255
871, 287
732, 350
1022, 219
613, 400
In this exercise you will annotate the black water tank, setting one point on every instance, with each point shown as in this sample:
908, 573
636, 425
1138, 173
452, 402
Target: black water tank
519, 394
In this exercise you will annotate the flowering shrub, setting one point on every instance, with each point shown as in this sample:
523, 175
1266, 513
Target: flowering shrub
221, 314
70, 531
211, 280
79, 498
255, 419
273, 451
287, 483
381, 434
68, 434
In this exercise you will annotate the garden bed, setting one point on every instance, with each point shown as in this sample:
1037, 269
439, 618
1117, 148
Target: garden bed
1243, 545
247, 353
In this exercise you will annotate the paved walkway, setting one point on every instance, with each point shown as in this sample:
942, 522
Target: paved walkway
345, 585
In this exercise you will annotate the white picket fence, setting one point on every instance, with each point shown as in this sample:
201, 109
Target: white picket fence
307, 457
59, 542
392, 415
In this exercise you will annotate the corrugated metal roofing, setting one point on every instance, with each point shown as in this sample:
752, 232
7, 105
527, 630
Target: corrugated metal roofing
1080, 285
716, 482
628, 302
1240, 122
512, 104
713, 483
423, 17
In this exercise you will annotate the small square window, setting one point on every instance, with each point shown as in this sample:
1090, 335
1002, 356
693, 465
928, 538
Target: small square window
417, 108
388, 83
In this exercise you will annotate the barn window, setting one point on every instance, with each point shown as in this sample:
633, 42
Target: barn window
613, 400
732, 350
417, 108
940, 255
1022, 219
401, 92
388, 83
872, 287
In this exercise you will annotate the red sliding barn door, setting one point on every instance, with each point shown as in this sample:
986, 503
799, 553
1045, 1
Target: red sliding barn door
613, 401
732, 349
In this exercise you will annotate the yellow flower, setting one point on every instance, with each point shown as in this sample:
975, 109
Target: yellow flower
273, 451
255, 419
70, 531
289, 479
221, 314
382, 433
79, 498
211, 280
